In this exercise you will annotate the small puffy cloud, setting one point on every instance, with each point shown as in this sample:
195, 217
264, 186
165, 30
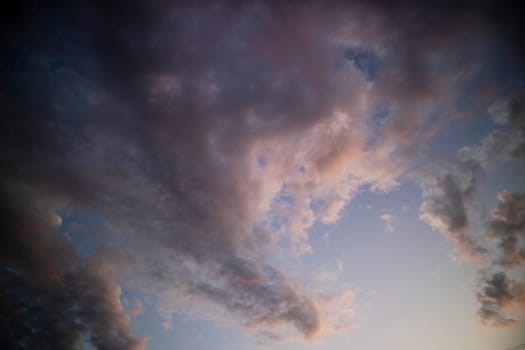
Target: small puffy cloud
388, 220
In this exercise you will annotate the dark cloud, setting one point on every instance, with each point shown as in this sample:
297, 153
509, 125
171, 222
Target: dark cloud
503, 144
444, 207
446, 197
150, 121
449, 207
507, 227
155, 116
498, 295
51, 297
510, 110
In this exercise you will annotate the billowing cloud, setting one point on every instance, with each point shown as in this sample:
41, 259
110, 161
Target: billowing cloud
205, 136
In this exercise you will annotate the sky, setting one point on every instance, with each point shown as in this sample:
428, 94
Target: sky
262, 175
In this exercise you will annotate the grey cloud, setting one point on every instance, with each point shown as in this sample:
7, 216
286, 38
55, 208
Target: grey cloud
448, 205
444, 207
261, 297
502, 299
445, 198
498, 146
505, 144
52, 297
510, 110
166, 164
507, 226
154, 117
498, 295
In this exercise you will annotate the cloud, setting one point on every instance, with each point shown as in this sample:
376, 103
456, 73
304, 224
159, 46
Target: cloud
444, 205
204, 136
498, 146
327, 275
502, 145
164, 148
510, 110
447, 196
55, 296
133, 306
500, 295
444, 208
388, 219
507, 227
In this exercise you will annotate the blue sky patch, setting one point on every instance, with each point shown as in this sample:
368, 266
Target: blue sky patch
366, 61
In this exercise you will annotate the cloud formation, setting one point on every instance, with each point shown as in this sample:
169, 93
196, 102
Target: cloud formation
449, 200
205, 135
509, 110
503, 299
446, 197
444, 207
506, 144
499, 296
507, 227
51, 296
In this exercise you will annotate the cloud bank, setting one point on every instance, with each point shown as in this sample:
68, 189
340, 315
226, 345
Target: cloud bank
205, 136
